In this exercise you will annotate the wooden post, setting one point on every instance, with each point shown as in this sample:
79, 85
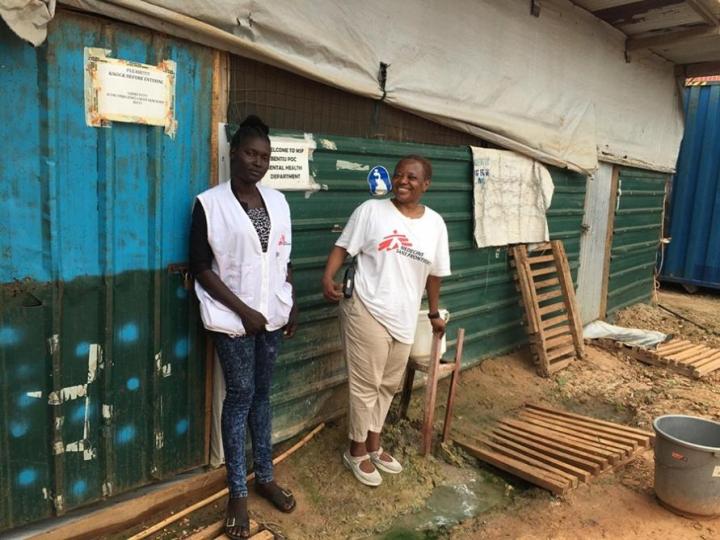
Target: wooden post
455, 377
430, 395
407, 390
568, 289
609, 240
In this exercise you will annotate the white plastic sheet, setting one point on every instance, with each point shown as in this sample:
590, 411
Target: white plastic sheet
632, 336
555, 87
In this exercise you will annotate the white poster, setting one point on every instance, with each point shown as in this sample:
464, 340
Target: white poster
122, 91
290, 164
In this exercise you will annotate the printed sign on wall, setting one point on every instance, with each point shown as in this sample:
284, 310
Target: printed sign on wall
123, 91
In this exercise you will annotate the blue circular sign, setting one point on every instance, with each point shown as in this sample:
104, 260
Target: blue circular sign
379, 180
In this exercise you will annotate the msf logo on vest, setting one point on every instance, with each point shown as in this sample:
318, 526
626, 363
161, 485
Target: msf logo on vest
394, 241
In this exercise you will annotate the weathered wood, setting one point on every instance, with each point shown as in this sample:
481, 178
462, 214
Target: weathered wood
557, 293
700, 362
430, 396
455, 378
540, 259
516, 436
557, 365
559, 353
215, 530
590, 420
540, 456
707, 368
672, 346
543, 271
552, 308
600, 429
611, 441
609, 233
692, 352
533, 475
529, 460
568, 288
557, 331
567, 440
559, 341
547, 283
555, 321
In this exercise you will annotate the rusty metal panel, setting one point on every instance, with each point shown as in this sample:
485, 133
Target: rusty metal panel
310, 377
100, 354
636, 237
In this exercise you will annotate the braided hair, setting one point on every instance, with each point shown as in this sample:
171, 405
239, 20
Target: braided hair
250, 128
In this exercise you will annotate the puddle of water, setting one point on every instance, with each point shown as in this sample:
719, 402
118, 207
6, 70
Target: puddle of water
447, 506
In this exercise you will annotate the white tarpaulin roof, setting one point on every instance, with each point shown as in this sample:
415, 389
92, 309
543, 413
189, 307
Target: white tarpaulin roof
555, 87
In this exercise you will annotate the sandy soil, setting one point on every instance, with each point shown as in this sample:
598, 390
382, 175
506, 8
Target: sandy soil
611, 386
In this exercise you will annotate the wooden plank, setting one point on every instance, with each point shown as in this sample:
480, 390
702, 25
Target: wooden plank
569, 441
672, 346
609, 234
627, 435
559, 341
557, 331
526, 472
559, 353
552, 308
548, 447
546, 283
543, 246
707, 368
555, 321
543, 271
568, 289
263, 535
531, 305
457, 366
215, 530
529, 460
688, 353
579, 473
591, 420
122, 516
697, 363
557, 365
618, 442
430, 396
541, 259
549, 295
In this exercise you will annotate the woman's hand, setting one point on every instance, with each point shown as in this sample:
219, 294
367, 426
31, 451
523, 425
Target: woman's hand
438, 326
253, 321
331, 291
292, 324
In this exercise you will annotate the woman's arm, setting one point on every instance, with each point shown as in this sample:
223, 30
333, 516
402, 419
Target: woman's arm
432, 286
333, 291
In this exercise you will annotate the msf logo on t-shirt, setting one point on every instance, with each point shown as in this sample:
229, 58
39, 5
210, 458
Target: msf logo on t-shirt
394, 241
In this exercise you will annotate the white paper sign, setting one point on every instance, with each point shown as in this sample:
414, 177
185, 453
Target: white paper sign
290, 164
118, 90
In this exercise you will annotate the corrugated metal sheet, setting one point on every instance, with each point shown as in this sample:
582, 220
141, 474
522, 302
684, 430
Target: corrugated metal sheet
100, 357
481, 296
636, 237
693, 256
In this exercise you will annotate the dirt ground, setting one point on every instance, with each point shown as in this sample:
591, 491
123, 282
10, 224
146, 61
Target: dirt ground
488, 503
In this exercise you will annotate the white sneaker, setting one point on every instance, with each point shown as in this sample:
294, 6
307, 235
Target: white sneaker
393, 466
372, 479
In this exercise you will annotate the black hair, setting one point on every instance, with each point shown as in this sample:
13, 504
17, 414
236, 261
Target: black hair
426, 165
249, 128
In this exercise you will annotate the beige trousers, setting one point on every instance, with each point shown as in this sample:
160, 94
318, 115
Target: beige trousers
375, 362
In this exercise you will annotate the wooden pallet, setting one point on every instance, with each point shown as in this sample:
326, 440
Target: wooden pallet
678, 355
548, 296
557, 450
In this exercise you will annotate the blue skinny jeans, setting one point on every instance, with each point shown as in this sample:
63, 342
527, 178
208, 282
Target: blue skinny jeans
247, 363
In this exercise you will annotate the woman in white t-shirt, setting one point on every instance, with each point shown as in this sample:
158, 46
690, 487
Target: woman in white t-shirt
401, 249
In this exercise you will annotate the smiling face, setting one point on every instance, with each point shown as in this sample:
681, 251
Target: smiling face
249, 161
409, 181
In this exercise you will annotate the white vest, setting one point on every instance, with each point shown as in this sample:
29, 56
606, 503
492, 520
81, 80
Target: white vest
258, 279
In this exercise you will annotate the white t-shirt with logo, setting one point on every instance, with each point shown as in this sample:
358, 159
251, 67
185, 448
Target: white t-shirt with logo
395, 255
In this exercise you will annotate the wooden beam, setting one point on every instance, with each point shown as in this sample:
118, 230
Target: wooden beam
609, 240
123, 515
701, 69
666, 39
701, 9
628, 12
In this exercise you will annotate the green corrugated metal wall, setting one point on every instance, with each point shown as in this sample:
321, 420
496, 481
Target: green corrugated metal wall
480, 295
636, 237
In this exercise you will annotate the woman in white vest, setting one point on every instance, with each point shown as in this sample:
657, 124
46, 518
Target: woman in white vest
240, 243
401, 249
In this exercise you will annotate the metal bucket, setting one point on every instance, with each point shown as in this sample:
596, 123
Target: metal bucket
687, 465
